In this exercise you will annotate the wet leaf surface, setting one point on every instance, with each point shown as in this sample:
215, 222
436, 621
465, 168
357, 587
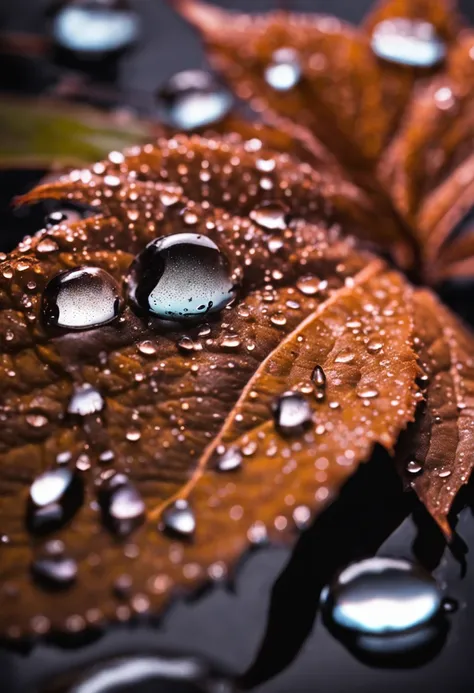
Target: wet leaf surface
168, 395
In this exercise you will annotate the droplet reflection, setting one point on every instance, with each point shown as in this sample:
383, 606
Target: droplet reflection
408, 42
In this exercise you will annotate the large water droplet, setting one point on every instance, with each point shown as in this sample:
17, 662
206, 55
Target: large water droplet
408, 42
123, 508
180, 277
54, 570
292, 414
386, 606
193, 99
178, 519
85, 401
55, 496
94, 27
81, 298
270, 216
284, 71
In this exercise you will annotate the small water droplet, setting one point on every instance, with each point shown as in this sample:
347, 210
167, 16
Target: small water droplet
46, 246
81, 298
193, 99
229, 461
133, 434
368, 393
384, 606
94, 28
178, 519
374, 346
292, 414
55, 496
284, 71
345, 356
123, 508
54, 219
414, 467
270, 216
181, 276
308, 285
54, 570
231, 342
36, 420
449, 605
318, 377
147, 348
85, 401
411, 42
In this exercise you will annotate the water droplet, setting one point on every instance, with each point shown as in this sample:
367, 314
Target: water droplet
54, 219
409, 42
55, 496
374, 346
54, 570
147, 348
180, 277
318, 377
368, 393
81, 298
133, 434
123, 508
36, 420
278, 319
270, 216
178, 519
230, 342
284, 71
449, 605
345, 356
47, 245
193, 99
292, 414
387, 606
309, 285
414, 467
85, 401
229, 461
95, 27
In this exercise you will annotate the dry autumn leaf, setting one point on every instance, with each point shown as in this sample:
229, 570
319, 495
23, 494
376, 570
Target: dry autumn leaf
202, 365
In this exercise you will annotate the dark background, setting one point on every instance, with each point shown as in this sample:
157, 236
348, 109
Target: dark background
228, 625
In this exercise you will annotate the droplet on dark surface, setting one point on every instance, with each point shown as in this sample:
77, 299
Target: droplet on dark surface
54, 219
85, 401
153, 673
92, 28
292, 414
270, 216
229, 461
410, 42
193, 99
178, 519
179, 277
54, 570
413, 467
55, 497
449, 605
123, 508
81, 298
385, 607
284, 71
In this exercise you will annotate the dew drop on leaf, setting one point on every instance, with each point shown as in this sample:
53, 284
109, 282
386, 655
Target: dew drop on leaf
85, 401
81, 298
179, 519
55, 496
123, 508
389, 606
93, 27
181, 276
193, 99
284, 71
409, 42
229, 461
270, 216
292, 414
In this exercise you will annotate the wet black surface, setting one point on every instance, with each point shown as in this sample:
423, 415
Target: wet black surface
266, 627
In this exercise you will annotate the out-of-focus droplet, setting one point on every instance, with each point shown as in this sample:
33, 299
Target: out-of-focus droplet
94, 28
123, 508
178, 519
386, 606
81, 298
229, 461
85, 401
284, 71
179, 277
270, 216
410, 42
55, 496
193, 99
292, 414
54, 570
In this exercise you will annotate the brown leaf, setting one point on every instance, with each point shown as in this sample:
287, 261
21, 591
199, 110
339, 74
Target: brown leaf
438, 450
307, 297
